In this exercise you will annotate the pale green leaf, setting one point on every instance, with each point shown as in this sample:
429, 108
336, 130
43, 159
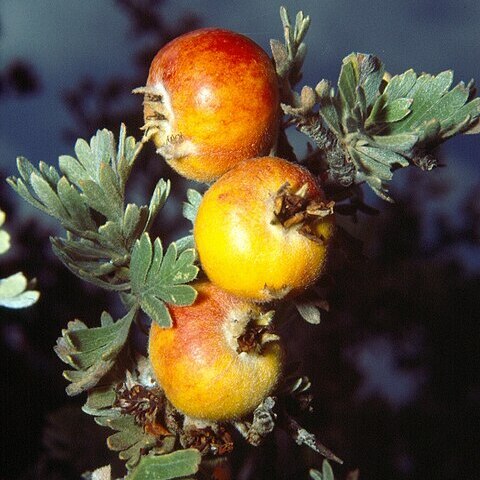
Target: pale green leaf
327, 472
157, 278
165, 467
48, 197
4, 241
12, 285
400, 86
401, 143
140, 262
86, 158
158, 200
72, 169
91, 351
78, 212
130, 441
190, 208
156, 310
309, 312
25, 168
22, 300
49, 173
185, 243
395, 110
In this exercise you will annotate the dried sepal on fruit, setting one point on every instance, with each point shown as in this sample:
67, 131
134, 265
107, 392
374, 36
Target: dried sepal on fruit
263, 229
208, 364
211, 100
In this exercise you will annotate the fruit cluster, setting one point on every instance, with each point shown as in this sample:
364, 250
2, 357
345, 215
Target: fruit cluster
262, 229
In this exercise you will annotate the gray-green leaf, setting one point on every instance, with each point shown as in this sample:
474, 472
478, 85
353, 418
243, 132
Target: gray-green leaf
157, 278
165, 467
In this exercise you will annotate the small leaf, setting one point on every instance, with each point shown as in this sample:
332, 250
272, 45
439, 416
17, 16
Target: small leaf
156, 310
185, 243
99, 199
91, 351
140, 262
12, 285
158, 200
190, 208
400, 86
315, 474
401, 143
157, 278
86, 158
347, 83
130, 440
280, 56
78, 212
4, 236
134, 223
72, 169
308, 312
22, 300
395, 111
48, 197
165, 467
327, 472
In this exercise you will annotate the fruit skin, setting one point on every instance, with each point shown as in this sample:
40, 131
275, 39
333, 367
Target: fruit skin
197, 365
221, 100
242, 248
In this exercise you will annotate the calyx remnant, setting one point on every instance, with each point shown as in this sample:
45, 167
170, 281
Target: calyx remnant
294, 208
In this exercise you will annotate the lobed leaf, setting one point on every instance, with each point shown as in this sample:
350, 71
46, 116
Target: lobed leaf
165, 467
157, 278
91, 351
130, 440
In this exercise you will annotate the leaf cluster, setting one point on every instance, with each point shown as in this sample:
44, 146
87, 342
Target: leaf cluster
373, 124
289, 56
87, 197
102, 243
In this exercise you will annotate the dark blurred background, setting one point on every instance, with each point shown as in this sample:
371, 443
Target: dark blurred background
394, 364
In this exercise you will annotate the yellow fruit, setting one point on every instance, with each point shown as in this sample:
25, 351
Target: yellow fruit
262, 230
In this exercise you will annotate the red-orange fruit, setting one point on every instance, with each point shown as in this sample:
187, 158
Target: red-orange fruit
211, 100
207, 366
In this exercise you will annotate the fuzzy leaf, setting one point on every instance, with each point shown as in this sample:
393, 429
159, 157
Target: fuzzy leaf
48, 197
134, 223
401, 143
165, 467
327, 471
432, 100
309, 312
347, 85
157, 279
396, 118
89, 203
91, 351
185, 243
159, 197
190, 208
130, 440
